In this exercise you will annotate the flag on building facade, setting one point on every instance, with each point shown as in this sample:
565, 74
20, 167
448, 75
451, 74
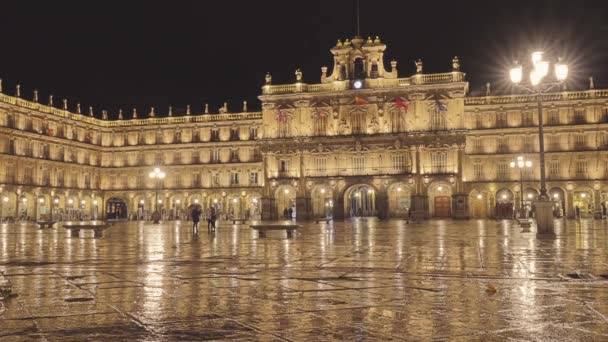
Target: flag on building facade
281, 116
400, 103
360, 100
440, 106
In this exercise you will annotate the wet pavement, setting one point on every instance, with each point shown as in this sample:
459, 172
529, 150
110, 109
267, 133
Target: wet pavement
351, 280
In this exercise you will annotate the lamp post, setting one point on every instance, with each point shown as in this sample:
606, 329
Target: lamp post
158, 175
540, 69
54, 206
521, 164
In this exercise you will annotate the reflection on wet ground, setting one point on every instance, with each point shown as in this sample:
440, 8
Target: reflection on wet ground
350, 280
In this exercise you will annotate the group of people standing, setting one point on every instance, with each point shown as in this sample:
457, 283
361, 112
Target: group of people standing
196, 215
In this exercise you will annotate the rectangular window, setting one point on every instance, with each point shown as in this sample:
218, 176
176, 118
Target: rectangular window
253, 178
479, 121
215, 156
477, 145
234, 178
502, 146
59, 178
124, 182
438, 121
283, 165
527, 144
87, 181
501, 120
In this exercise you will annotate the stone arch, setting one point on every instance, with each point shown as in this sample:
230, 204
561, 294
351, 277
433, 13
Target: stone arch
479, 203
117, 207
505, 204
440, 199
558, 196
399, 199
9, 204
285, 199
322, 200
360, 200
583, 198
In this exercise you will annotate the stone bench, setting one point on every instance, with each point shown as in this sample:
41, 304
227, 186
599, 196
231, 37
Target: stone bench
239, 221
321, 219
76, 227
42, 224
263, 228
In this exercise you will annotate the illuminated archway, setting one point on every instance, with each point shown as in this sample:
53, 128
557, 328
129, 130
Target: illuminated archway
399, 200
285, 199
360, 201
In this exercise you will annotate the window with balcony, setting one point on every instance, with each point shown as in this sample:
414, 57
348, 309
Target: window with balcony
234, 134
359, 164
234, 156
9, 173
215, 155
581, 168
196, 180
253, 178
501, 120
502, 145
502, 171
554, 169
234, 178
87, 181
579, 116
527, 119
478, 171
477, 145
553, 118
59, 178
28, 175
438, 120
253, 133
580, 141
215, 135
439, 162
320, 123
400, 163
527, 145
215, 180
321, 166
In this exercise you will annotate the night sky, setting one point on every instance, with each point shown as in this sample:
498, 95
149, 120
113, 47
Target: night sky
123, 54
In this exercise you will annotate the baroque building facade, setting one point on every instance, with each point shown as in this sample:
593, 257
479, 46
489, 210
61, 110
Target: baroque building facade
362, 142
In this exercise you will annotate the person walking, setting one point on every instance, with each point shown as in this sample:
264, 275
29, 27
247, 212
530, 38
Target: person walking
211, 220
196, 215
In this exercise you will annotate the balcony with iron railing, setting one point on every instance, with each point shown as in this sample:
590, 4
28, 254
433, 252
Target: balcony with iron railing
438, 169
352, 171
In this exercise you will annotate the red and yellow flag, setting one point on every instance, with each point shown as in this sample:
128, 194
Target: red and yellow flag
360, 100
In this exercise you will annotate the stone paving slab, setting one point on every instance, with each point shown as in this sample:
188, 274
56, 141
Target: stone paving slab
360, 280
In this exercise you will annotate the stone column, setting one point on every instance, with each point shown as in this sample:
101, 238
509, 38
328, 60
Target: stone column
569, 205
338, 209
597, 204
420, 201
303, 200
460, 200
269, 211
382, 204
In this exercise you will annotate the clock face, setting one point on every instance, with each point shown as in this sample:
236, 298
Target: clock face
357, 84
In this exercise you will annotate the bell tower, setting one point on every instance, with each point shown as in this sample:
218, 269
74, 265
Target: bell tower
358, 59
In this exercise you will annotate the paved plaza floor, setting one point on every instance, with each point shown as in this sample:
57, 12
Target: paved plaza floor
352, 280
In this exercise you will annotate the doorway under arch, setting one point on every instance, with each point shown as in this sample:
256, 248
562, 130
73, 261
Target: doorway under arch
116, 208
360, 201
440, 199
285, 197
322, 201
399, 200
558, 197
505, 204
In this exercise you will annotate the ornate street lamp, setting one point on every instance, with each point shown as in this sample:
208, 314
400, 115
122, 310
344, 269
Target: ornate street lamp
158, 175
521, 164
540, 69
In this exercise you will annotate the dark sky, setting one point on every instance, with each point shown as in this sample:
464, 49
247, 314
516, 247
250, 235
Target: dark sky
142, 53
